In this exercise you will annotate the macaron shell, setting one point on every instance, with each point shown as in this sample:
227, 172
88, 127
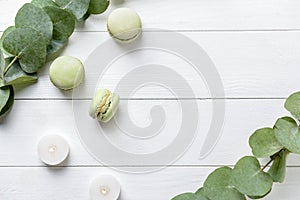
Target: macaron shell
131, 36
97, 100
112, 108
66, 72
124, 24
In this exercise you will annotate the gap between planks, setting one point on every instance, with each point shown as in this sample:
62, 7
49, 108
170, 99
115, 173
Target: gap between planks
126, 166
147, 99
204, 30
195, 31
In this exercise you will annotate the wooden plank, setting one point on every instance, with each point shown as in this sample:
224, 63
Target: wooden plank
251, 65
29, 120
191, 15
73, 183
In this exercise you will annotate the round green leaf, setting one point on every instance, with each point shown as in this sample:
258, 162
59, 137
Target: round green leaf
2, 84
98, 6
63, 22
292, 104
4, 91
218, 186
77, 7
85, 16
287, 133
4, 96
5, 33
28, 45
189, 196
2, 62
249, 179
278, 168
200, 192
43, 3
260, 197
36, 18
55, 48
15, 75
264, 143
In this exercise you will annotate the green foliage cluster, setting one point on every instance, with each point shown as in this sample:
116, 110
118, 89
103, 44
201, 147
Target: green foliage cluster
247, 177
41, 31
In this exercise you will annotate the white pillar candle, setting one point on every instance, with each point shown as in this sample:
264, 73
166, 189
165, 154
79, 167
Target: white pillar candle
53, 149
105, 187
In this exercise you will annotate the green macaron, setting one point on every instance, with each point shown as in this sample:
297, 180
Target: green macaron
124, 24
104, 105
66, 72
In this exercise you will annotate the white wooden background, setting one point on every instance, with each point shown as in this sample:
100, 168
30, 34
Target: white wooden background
255, 46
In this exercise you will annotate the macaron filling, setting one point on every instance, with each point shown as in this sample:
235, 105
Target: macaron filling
104, 106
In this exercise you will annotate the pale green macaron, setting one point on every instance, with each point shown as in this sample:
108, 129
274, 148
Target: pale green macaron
66, 72
104, 105
124, 24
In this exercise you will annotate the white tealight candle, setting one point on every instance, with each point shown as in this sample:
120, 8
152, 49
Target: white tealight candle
53, 149
105, 187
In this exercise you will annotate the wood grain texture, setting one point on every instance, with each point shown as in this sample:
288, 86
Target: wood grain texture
29, 120
191, 14
72, 183
251, 65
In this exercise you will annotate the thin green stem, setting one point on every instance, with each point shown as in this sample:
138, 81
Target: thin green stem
272, 159
9, 66
268, 163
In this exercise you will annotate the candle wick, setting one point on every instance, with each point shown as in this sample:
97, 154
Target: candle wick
52, 149
104, 190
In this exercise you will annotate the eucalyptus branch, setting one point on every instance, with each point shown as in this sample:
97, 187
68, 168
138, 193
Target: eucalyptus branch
247, 177
9, 66
272, 159
34, 38
268, 163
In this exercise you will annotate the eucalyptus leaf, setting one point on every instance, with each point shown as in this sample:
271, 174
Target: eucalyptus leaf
84, 17
4, 96
27, 44
15, 75
200, 192
278, 168
55, 48
36, 18
2, 84
292, 104
4, 34
63, 22
2, 62
264, 143
9, 103
77, 7
260, 197
249, 179
43, 3
218, 186
289, 119
287, 133
98, 6
189, 196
